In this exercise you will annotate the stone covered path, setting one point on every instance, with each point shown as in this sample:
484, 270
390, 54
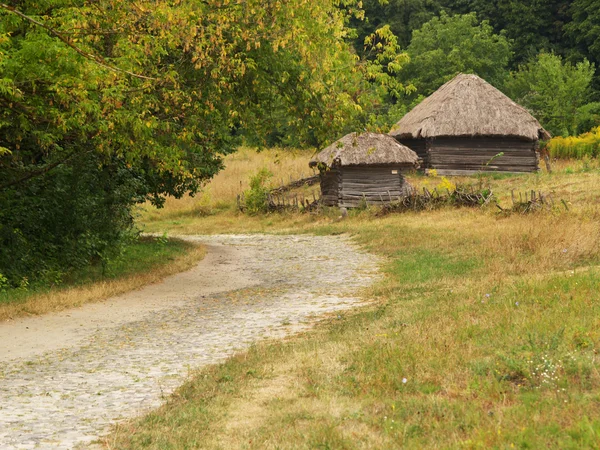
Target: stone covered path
65, 378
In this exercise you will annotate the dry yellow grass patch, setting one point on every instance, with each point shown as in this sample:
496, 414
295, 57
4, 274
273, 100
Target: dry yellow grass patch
277, 409
221, 192
71, 297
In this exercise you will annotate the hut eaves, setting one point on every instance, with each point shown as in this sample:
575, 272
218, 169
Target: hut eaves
356, 149
468, 106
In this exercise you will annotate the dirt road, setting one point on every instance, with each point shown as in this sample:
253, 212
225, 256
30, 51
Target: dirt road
66, 378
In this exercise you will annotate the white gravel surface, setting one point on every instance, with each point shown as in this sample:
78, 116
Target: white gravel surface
65, 378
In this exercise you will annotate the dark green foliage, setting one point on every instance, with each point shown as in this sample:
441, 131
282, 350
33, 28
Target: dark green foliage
446, 46
584, 32
403, 16
76, 214
532, 25
139, 256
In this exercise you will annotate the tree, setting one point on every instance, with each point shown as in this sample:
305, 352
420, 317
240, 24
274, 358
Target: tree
584, 30
553, 90
383, 61
106, 104
402, 17
448, 45
532, 25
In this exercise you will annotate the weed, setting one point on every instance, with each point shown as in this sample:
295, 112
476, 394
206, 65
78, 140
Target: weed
586, 145
255, 198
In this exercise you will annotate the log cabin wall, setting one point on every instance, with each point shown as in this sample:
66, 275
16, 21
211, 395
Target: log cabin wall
375, 184
419, 146
330, 187
463, 156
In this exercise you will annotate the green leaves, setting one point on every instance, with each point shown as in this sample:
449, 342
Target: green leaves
448, 45
384, 61
584, 29
107, 104
553, 90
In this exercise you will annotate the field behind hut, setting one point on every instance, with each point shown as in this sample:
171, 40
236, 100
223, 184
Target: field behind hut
483, 333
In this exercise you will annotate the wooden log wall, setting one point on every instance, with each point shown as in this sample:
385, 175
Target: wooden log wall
463, 156
330, 187
419, 146
373, 184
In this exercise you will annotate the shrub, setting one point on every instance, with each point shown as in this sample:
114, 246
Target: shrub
582, 146
77, 214
256, 198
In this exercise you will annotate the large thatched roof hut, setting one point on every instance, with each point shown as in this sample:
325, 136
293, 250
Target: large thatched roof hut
364, 168
465, 124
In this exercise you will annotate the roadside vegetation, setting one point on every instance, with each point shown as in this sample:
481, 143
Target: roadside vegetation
145, 261
484, 333
585, 146
104, 108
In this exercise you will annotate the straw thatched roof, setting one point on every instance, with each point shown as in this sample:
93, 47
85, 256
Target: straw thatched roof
468, 106
356, 149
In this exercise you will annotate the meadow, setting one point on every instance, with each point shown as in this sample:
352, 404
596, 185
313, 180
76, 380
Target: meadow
484, 332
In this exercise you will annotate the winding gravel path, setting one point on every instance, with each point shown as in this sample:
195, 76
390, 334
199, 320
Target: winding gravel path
66, 377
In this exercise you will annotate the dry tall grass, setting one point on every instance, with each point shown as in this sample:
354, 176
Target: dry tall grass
214, 211
221, 192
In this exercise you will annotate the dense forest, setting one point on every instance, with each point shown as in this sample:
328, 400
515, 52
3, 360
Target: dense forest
543, 54
108, 104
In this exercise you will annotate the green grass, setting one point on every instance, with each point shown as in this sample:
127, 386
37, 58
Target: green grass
142, 262
468, 385
426, 266
139, 256
492, 325
484, 334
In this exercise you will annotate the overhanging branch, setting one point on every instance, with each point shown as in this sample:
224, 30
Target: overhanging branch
37, 173
95, 58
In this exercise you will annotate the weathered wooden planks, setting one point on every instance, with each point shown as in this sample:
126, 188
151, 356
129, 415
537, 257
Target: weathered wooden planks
351, 186
371, 184
330, 186
466, 155
418, 146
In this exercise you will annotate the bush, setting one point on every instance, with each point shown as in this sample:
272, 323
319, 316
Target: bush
256, 198
554, 90
77, 214
586, 145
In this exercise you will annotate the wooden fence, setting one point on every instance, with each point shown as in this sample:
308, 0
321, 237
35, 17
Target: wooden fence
279, 199
529, 201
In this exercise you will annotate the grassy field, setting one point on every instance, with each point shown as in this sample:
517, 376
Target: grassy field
143, 262
218, 198
485, 333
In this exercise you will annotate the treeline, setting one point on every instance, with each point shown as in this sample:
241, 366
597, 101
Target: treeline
544, 55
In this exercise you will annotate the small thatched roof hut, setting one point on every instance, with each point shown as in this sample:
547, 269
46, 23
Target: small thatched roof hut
364, 168
465, 124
